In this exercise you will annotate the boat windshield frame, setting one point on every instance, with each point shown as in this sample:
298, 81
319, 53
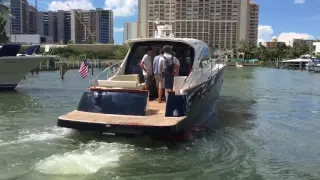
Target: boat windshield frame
133, 61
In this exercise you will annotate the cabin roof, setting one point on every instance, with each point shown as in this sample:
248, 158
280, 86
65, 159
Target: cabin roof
195, 43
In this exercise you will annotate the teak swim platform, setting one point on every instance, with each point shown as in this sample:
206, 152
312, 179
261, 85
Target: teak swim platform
155, 116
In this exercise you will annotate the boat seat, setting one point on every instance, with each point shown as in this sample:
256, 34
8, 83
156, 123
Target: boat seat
129, 77
178, 83
123, 82
119, 84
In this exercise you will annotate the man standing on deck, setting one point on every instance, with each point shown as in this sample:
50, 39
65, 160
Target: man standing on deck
157, 74
169, 66
146, 66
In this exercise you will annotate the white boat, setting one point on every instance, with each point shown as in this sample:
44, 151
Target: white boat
310, 66
14, 66
316, 66
313, 64
307, 59
117, 104
239, 65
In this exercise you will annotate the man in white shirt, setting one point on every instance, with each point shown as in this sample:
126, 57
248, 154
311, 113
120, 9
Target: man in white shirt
146, 66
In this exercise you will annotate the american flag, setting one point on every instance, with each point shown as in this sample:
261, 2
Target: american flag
84, 68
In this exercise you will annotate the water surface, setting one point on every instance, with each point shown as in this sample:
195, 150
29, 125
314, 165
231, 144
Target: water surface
267, 127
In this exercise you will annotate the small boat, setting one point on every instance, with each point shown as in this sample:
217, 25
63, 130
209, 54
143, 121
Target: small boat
14, 66
117, 104
316, 65
239, 65
310, 66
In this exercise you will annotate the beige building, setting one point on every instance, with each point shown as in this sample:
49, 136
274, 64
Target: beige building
220, 23
129, 31
253, 23
273, 43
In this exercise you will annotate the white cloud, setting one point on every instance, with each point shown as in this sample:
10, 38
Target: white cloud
266, 34
299, 1
122, 7
289, 36
118, 29
74, 4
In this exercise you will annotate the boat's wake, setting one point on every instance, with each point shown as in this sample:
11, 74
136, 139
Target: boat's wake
87, 159
35, 135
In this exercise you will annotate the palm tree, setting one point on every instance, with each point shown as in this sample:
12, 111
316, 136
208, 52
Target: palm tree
3, 34
4, 7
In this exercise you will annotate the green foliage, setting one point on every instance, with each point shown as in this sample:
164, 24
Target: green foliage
282, 51
121, 52
3, 36
75, 55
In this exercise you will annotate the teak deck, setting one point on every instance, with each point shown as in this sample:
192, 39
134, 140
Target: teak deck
155, 116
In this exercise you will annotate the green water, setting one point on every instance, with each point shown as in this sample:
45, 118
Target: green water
268, 127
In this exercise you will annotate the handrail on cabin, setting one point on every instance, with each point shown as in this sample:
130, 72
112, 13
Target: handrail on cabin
109, 71
219, 59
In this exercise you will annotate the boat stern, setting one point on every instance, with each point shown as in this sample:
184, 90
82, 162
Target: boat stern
127, 112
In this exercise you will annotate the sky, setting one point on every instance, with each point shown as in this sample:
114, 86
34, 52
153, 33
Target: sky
283, 19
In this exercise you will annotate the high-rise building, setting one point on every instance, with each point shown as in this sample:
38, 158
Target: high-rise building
42, 23
63, 25
52, 18
129, 31
19, 10
104, 26
80, 26
253, 23
220, 23
32, 14
89, 26
83, 26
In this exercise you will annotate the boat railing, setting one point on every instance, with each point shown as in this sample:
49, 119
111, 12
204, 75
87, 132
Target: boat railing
218, 63
221, 60
106, 73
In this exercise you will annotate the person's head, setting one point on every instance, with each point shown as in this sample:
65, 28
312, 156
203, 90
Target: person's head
160, 50
149, 51
167, 49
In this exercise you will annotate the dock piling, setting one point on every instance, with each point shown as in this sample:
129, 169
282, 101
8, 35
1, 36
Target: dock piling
63, 68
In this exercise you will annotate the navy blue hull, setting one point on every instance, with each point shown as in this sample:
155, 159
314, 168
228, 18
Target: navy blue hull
202, 105
7, 87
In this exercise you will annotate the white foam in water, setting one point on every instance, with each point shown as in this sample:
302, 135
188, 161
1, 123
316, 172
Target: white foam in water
46, 134
43, 135
86, 160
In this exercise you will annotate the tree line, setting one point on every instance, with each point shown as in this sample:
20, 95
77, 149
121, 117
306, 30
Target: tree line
280, 52
72, 54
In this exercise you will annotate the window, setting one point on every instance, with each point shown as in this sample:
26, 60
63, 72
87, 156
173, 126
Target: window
205, 57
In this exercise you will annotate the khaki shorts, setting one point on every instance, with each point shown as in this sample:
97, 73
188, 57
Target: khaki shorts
158, 79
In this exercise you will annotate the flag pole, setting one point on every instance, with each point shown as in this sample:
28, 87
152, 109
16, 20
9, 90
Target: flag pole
92, 66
